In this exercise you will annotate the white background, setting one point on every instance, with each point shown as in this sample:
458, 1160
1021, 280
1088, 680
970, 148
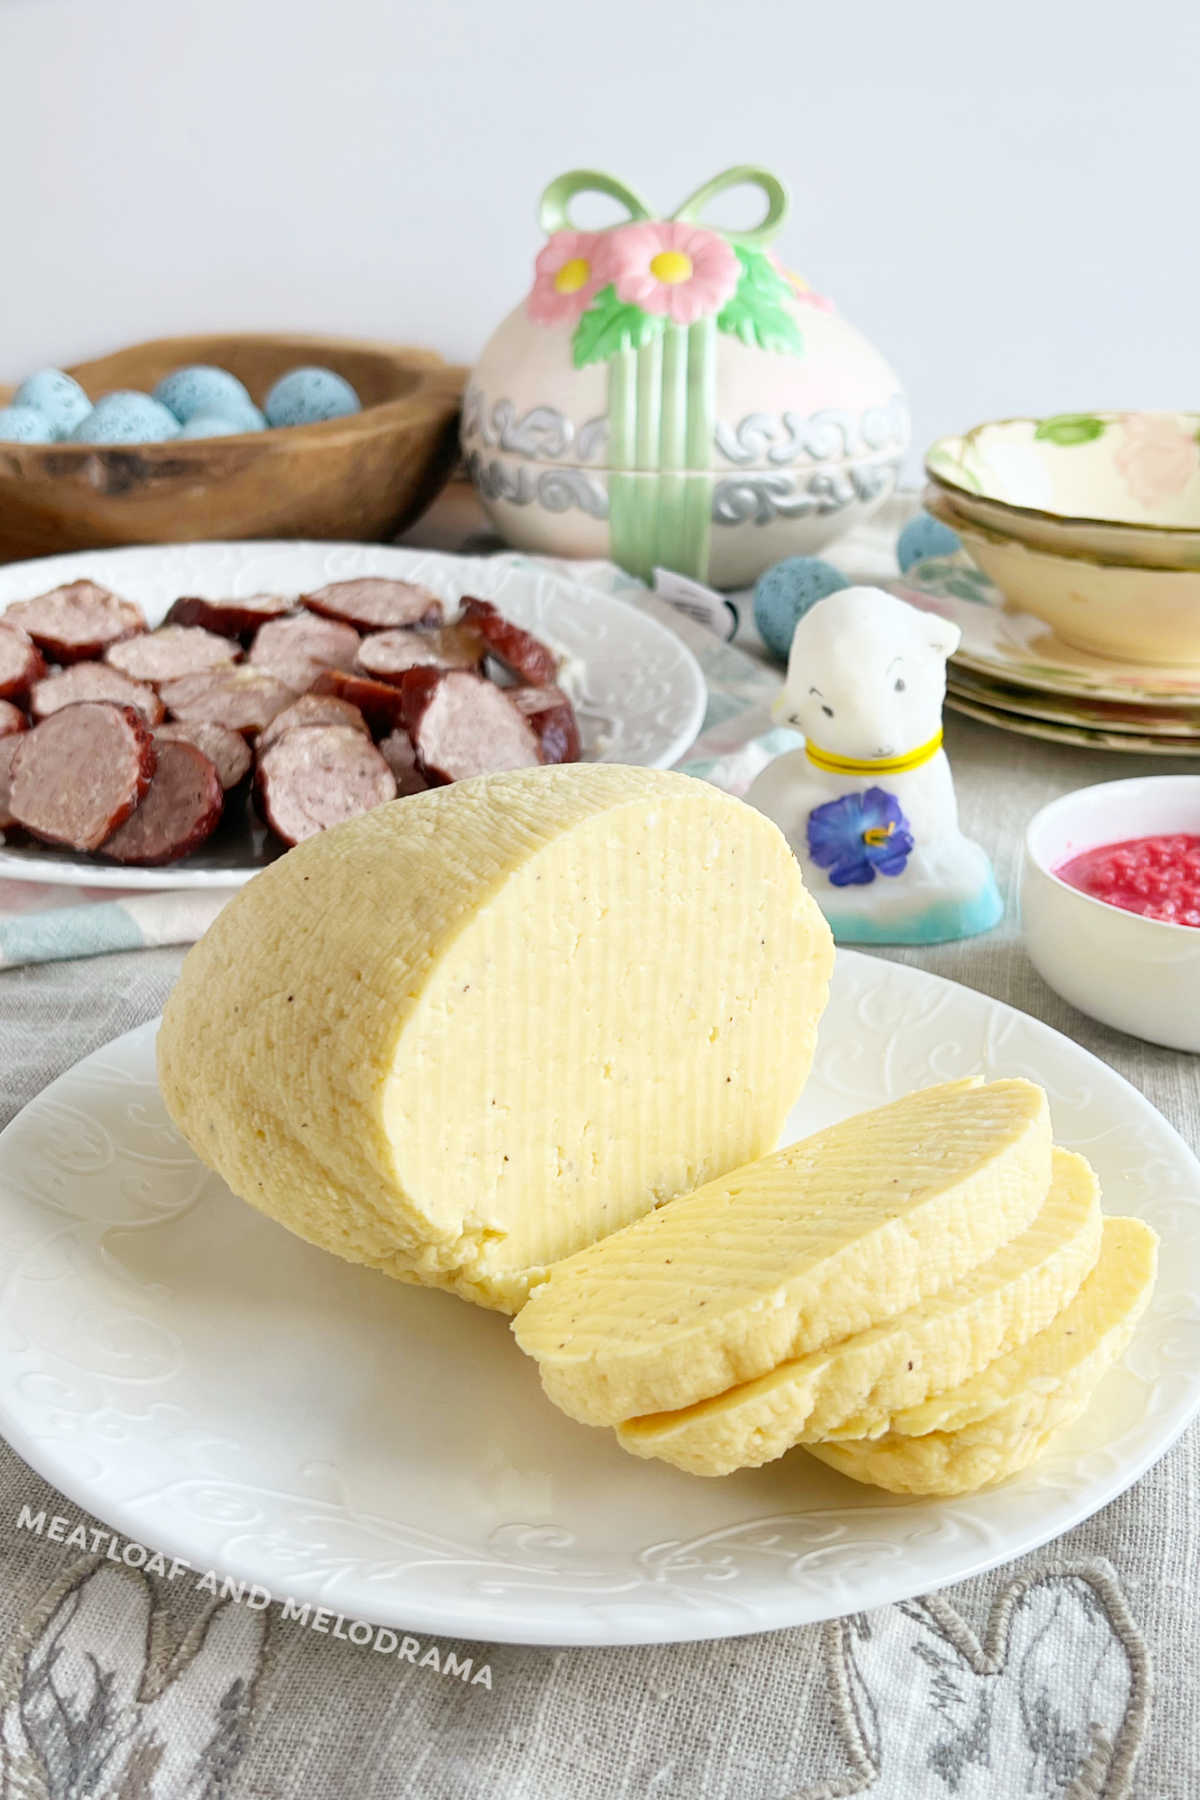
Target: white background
1002, 193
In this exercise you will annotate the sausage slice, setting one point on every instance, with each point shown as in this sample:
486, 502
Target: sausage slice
296, 649
227, 750
79, 774
552, 716
522, 654
228, 618
397, 752
462, 725
312, 709
378, 701
94, 681
12, 719
8, 750
386, 655
240, 698
318, 775
376, 603
78, 622
171, 652
21, 662
181, 808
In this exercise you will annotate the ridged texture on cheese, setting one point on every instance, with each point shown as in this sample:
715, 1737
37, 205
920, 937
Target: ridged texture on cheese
852, 1389
467, 1033
791, 1254
997, 1423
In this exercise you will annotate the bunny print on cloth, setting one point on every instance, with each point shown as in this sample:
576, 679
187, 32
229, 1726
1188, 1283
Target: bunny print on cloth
868, 802
96, 1705
1050, 1704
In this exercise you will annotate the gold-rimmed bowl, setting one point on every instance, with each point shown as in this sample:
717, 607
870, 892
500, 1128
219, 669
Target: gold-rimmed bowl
1090, 521
363, 477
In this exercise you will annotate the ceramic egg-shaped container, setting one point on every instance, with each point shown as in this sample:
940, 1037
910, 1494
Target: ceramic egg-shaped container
669, 395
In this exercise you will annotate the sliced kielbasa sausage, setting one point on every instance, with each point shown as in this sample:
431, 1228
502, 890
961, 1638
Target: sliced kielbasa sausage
171, 652
376, 603
78, 622
21, 663
79, 774
461, 725
521, 653
227, 750
228, 618
93, 681
296, 649
181, 808
387, 655
317, 776
240, 698
552, 716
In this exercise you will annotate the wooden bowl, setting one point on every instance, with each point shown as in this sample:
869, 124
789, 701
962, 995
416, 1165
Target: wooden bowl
365, 477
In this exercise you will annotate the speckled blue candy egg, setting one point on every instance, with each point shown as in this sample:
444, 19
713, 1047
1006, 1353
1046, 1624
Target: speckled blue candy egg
201, 388
922, 537
785, 592
307, 396
207, 425
126, 417
24, 425
58, 397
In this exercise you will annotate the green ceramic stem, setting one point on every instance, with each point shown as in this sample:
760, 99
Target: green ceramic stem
661, 408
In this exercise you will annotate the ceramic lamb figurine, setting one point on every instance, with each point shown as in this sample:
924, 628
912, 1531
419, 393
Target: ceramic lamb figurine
868, 802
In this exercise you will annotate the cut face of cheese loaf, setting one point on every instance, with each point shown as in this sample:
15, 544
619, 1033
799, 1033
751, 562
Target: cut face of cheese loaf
467, 1033
1000, 1420
853, 1388
791, 1254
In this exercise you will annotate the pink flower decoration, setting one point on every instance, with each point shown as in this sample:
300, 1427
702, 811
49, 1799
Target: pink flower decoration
664, 266
570, 267
1157, 457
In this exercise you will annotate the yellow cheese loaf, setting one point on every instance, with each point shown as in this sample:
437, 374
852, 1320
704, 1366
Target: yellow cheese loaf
467, 1033
852, 1389
999, 1421
790, 1254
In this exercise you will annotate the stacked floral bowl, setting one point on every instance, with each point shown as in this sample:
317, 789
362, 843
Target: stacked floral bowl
1081, 621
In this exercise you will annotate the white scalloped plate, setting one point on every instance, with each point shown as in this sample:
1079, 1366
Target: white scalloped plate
638, 689
214, 1388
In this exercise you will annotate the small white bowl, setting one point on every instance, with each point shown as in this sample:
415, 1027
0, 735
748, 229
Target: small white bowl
1141, 975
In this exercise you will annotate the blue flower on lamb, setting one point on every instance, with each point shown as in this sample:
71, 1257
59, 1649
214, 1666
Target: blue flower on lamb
860, 836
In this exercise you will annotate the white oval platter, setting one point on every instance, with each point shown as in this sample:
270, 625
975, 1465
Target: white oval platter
214, 1388
638, 689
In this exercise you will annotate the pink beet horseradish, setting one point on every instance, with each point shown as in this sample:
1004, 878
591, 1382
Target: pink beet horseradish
1157, 876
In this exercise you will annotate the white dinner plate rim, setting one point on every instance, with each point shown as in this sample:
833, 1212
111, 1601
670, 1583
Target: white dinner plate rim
439, 1620
483, 572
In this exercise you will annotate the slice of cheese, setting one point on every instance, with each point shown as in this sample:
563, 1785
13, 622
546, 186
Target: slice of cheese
790, 1254
1000, 1420
852, 1389
465, 1034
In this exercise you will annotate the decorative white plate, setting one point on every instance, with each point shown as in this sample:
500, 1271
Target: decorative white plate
1083, 737
1014, 646
638, 689
214, 1388
1123, 717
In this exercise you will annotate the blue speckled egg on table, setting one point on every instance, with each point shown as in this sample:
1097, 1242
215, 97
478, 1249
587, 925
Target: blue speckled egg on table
24, 425
202, 388
786, 591
308, 397
126, 417
922, 537
58, 397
